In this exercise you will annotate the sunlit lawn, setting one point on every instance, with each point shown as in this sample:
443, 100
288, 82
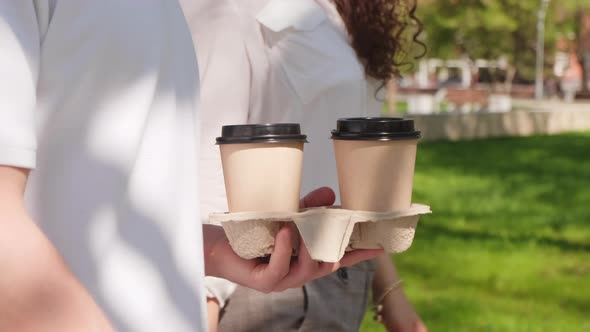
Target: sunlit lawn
508, 245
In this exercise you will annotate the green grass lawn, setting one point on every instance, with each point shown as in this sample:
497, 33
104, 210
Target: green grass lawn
507, 247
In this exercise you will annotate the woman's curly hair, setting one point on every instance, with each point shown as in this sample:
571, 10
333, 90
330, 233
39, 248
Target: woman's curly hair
383, 34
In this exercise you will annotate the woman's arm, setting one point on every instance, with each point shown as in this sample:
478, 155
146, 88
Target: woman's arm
39, 293
397, 312
213, 309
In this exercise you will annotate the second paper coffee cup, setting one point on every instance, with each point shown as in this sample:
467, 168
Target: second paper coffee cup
262, 166
375, 160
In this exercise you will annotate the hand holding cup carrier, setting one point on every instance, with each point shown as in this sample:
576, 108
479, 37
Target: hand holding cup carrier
375, 160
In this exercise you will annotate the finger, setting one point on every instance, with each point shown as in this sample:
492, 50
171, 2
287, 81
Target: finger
307, 269
356, 256
280, 261
350, 258
301, 272
320, 197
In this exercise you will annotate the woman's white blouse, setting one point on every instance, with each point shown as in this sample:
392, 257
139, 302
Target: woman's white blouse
274, 61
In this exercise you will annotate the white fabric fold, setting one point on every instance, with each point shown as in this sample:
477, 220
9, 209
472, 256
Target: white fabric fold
303, 15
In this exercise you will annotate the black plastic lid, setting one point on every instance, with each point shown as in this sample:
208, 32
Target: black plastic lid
261, 133
375, 129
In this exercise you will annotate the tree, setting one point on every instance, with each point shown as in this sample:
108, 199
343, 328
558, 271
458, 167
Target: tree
493, 28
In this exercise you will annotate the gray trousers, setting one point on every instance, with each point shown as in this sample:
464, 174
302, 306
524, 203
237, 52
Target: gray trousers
335, 303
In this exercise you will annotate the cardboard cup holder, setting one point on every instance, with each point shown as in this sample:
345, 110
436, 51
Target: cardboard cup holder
327, 231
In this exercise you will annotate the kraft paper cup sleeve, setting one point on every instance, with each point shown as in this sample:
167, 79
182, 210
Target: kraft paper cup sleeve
326, 232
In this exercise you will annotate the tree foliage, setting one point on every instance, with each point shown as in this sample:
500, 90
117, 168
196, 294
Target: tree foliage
492, 28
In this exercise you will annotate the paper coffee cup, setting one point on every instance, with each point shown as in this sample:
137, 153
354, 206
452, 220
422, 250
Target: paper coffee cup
262, 166
375, 160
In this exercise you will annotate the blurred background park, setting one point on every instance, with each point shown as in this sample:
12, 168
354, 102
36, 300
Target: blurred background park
503, 100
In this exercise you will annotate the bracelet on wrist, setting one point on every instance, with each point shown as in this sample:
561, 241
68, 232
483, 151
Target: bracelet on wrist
378, 306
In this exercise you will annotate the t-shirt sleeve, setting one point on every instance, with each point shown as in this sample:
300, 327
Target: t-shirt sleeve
219, 289
19, 67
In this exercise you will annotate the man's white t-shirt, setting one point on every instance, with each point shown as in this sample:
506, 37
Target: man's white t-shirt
100, 98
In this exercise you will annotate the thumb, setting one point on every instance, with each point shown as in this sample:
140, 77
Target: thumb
320, 197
